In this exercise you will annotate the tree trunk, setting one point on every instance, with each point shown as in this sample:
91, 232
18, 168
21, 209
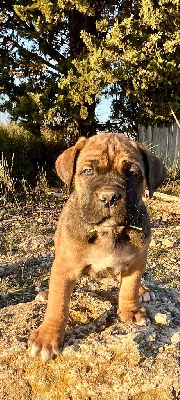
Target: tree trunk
87, 127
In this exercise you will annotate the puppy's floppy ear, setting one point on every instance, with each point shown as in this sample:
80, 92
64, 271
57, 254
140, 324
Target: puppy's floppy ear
155, 171
65, 163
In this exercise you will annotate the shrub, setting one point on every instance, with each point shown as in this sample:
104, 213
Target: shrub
30, 153
172, 183
7, 181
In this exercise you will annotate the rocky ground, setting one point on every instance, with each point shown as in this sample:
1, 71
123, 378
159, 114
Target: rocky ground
102, 358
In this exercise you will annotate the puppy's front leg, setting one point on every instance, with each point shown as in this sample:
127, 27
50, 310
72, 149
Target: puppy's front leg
129, 307
47, 340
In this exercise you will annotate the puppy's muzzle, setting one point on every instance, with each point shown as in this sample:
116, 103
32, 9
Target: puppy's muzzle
109, 197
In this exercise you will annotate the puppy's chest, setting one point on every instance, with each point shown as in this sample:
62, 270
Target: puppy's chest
112, 249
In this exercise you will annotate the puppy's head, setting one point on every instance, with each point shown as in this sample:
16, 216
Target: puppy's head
111, 172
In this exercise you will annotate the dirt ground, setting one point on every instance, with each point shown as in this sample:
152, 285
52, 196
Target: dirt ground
102, 358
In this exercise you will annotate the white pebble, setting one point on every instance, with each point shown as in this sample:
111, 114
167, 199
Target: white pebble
175, 338
162, 319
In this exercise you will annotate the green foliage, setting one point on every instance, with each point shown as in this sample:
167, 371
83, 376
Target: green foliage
140, 54
39, 41
58, 57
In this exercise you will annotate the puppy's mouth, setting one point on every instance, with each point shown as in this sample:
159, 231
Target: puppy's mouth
105, 206
94, 220
109, 222
107, 217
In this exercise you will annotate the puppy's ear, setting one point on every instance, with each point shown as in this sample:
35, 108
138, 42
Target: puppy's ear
65, 163
155, 171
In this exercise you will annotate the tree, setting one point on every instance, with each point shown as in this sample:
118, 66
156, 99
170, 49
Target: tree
137, 60
39, 40
58, 57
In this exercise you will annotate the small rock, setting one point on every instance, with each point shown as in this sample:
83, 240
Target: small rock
59, 195
175, 338
167, 243
162, 319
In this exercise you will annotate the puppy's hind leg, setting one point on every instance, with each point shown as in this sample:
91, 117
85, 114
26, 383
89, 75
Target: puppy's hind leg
145, 294
43, 295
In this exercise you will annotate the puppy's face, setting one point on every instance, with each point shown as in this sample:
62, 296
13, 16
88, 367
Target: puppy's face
111, 172
110, 180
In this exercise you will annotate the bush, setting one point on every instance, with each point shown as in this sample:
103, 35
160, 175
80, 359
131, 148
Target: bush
25, 159
171, 185
30, 154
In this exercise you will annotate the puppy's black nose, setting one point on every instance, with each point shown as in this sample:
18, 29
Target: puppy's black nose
109, 197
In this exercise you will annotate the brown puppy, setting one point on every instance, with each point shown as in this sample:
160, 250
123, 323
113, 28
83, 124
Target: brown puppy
103, 225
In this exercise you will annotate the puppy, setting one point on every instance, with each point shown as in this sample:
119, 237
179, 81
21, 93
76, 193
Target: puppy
104, 225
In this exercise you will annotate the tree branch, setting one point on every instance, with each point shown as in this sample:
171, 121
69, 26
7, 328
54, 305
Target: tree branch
34, 56
174, 115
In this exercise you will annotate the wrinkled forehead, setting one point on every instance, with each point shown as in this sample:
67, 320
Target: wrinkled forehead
110, 149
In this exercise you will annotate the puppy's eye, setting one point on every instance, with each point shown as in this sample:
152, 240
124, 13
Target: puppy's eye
130, 170
132, 173
88, 171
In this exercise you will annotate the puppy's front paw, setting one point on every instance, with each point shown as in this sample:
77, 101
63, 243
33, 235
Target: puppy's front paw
137, 317
45, 343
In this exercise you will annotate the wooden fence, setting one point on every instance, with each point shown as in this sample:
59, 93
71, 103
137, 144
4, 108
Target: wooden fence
165, 142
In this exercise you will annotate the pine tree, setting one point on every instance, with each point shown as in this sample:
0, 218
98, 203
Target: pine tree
137, 62
59, 56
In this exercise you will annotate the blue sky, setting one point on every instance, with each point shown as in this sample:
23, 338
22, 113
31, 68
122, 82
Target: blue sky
4, 118
102, 111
